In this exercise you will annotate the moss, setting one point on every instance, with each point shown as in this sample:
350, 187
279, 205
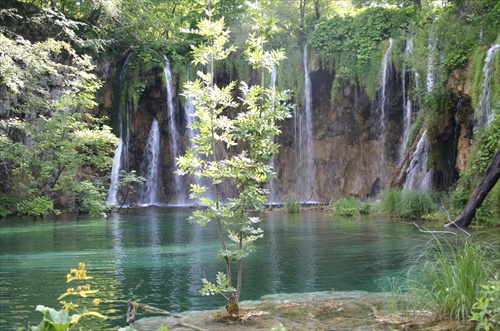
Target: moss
291, 73
476, 74
369, 74
495, 83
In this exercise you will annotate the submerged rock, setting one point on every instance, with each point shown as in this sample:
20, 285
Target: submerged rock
331, 310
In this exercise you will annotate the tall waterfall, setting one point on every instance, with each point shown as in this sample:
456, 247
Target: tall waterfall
418, 176
484, 112
385, 69
121, 152
384, 80
115, 170
432, 44
148, 194
306, 171
407, 102
272, 182
172, 126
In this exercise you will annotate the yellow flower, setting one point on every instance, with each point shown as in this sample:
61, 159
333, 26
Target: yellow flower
96, 301
70, 290
68, 305
68, 277
81, 265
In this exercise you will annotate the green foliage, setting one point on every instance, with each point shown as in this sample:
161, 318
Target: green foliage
347, 206
8, 204
486, 309
292, 205
126, 184
220, 287
354, 42
36, 206
447, 277
389, 201
54, 143
415, 203
412, 204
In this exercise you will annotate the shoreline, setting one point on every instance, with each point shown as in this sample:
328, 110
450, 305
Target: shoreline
327, 310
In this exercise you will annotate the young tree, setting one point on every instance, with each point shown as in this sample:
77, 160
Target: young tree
232, 148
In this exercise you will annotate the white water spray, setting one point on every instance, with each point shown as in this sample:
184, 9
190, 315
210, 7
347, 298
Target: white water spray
484, 112
306, 171
149, 166
407, 102
430, 62
272, 182
384, 80
121, 152
115, 170
173, 131
418, 176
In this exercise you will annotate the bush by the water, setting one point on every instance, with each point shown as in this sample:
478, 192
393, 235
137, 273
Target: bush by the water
412, 204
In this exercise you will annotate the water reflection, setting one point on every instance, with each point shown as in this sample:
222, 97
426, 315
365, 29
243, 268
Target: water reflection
155, 256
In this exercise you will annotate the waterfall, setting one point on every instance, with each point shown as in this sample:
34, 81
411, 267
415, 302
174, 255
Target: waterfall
430, 62
115, 170
418, 176
484, 113
384, 80
407, 102
189, 111
272, 182
173, 131
148, 194
306, 171
121, 152
386, 66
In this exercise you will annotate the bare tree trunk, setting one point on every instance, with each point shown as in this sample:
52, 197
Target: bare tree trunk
476, 199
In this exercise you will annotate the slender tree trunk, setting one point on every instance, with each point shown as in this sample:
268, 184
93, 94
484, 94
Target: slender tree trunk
476, 199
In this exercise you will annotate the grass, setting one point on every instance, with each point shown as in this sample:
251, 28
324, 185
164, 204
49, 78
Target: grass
292, 205
347, 206
411, 204
447, 277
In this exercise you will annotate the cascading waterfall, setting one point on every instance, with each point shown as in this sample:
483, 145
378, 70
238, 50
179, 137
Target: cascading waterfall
306, 171
121, 152
430, 61
272, 182
148, 194
115, 170
189, 110
407, 102
384, 80
484, 112
418, 176
173, 131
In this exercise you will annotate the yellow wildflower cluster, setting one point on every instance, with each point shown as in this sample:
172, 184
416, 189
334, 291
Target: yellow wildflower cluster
96, 301
85, 287
78, 274
68, 305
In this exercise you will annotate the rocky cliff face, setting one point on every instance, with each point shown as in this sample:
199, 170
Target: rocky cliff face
351, 155
357, 149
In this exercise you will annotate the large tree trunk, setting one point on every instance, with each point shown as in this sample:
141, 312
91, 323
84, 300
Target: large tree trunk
476, 199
